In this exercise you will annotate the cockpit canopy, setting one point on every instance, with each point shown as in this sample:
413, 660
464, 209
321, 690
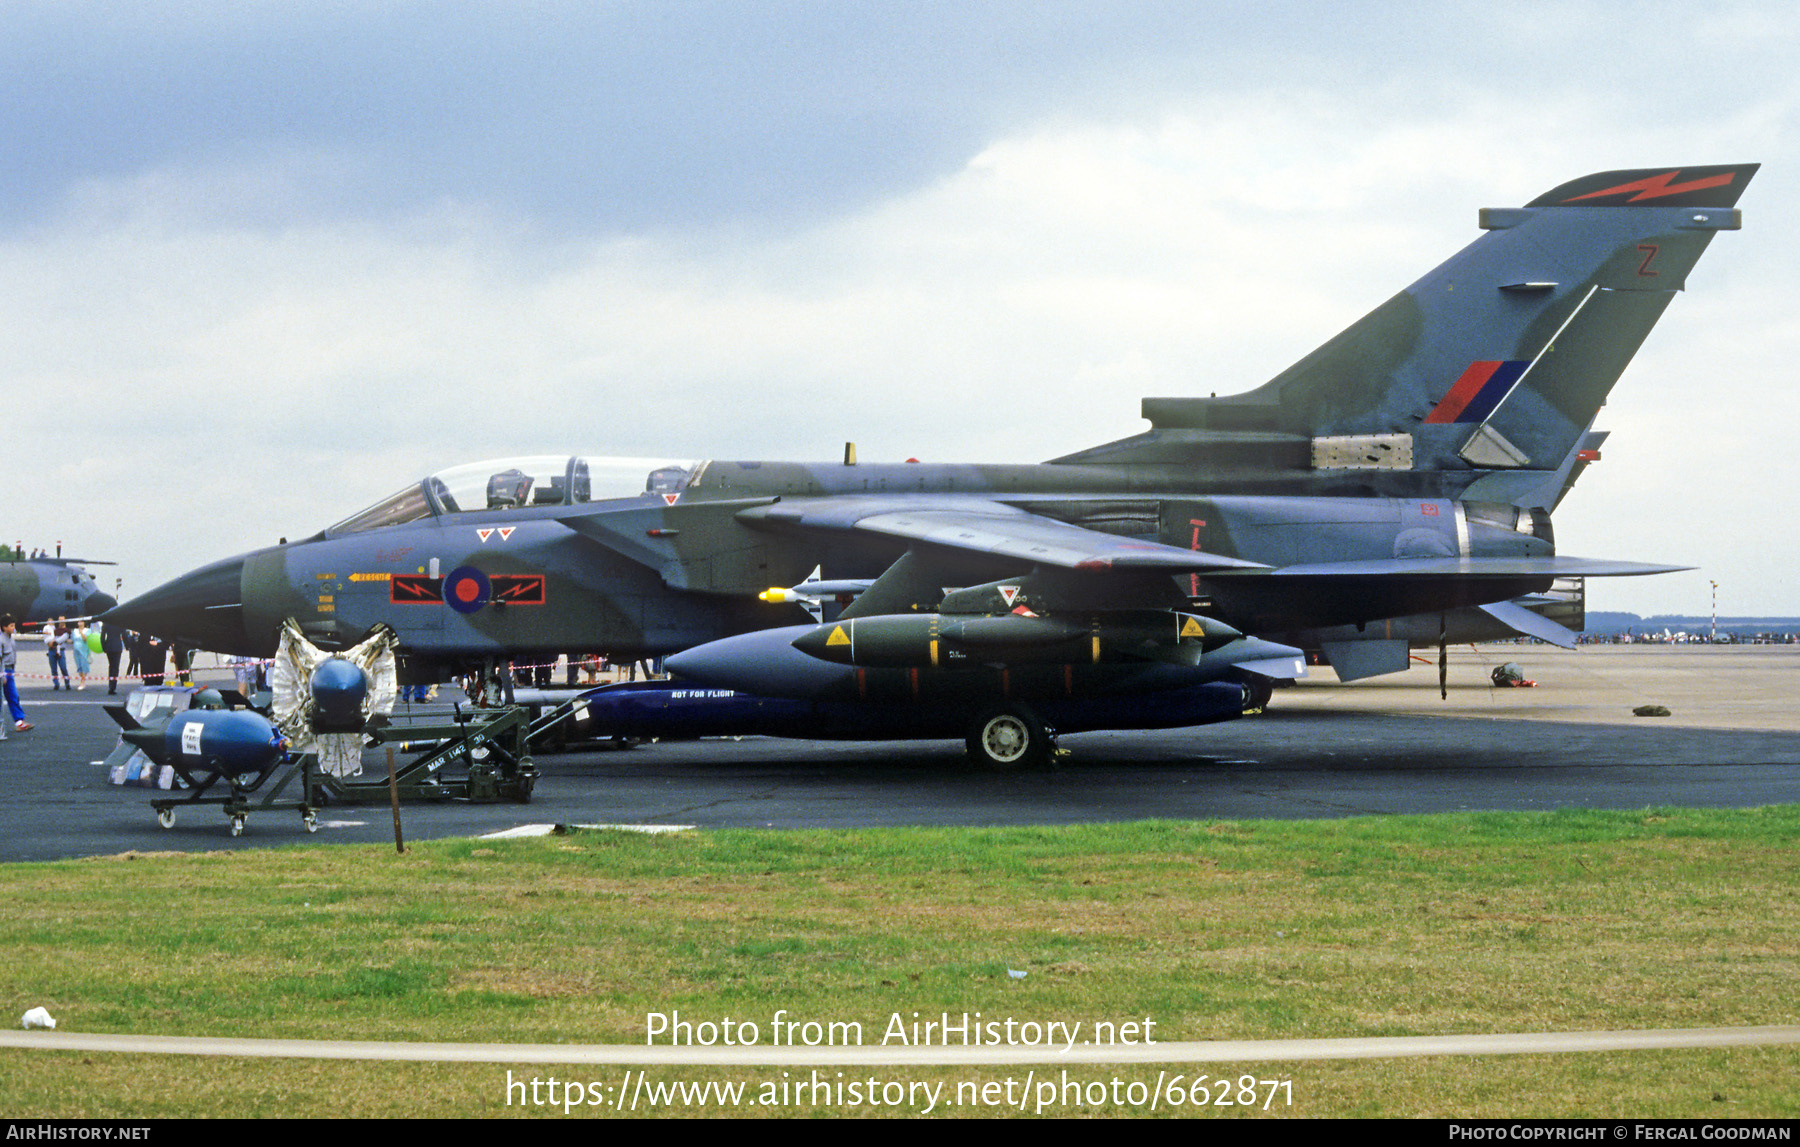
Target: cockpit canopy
515, 483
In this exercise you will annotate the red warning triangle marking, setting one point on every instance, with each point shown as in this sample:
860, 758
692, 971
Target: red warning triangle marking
671, 499
484, 535
506, 532
1008, 592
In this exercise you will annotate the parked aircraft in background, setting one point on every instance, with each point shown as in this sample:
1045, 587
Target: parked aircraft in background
1393, 485
39, 589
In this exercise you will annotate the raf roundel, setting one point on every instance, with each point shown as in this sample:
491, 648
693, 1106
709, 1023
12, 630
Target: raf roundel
467, 589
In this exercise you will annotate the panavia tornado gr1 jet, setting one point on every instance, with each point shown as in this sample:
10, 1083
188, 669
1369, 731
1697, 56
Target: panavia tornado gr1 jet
1393, 487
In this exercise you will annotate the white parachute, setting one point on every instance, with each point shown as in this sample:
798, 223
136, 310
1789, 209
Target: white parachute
295, 711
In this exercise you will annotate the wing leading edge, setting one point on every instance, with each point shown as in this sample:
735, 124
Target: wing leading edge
991, 529
1471, 568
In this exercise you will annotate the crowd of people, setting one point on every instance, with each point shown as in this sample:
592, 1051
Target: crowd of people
146, 657
63, 639
75, 643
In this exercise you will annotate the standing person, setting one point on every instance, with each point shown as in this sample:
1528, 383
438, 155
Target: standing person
78, 645
56, 647
243, 670
9, 654
112, 643
153, 656
133, 640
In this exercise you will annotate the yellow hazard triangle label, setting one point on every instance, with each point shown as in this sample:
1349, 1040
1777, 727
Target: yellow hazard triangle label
838, 637
1191, 628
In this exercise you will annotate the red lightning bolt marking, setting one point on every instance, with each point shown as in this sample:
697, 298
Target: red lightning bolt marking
1657, 187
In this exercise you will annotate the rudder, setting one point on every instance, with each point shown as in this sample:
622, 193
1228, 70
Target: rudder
1498, 359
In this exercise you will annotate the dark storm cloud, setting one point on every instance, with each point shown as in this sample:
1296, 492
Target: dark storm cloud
590, 117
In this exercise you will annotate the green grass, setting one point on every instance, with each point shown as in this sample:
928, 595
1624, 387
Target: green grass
1376, 926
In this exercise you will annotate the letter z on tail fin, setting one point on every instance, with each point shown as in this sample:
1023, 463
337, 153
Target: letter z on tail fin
1642, 232
1496, 361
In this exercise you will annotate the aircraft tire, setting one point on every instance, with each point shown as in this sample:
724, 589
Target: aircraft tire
1009, 738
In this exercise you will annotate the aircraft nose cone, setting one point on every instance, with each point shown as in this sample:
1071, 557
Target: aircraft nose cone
764, 663
817, 643
98, 603
204, 609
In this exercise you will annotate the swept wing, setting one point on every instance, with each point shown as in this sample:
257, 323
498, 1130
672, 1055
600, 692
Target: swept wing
988, 528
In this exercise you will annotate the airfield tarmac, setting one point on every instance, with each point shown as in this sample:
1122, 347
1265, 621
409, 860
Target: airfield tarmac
1386, 745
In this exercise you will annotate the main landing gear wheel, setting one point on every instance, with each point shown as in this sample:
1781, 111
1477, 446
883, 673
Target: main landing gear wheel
1258, 690
1009, 738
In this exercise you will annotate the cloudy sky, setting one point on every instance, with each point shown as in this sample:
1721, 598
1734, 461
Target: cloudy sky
263, 262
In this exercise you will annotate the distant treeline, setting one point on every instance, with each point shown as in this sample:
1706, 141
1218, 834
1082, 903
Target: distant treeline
1602, 621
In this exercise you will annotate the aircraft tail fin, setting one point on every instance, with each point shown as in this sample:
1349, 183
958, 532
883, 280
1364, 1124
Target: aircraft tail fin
1497, 360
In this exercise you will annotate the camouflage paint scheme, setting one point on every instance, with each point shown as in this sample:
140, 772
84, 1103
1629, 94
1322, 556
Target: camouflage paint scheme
1391, 488
36, 590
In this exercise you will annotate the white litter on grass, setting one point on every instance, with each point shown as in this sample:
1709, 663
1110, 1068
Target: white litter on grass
522, 830
1015, 975
549, 829
37, 1018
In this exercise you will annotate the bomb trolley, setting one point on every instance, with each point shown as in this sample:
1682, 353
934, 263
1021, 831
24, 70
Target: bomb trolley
480, 757
477, 756
185, 734
238, 805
